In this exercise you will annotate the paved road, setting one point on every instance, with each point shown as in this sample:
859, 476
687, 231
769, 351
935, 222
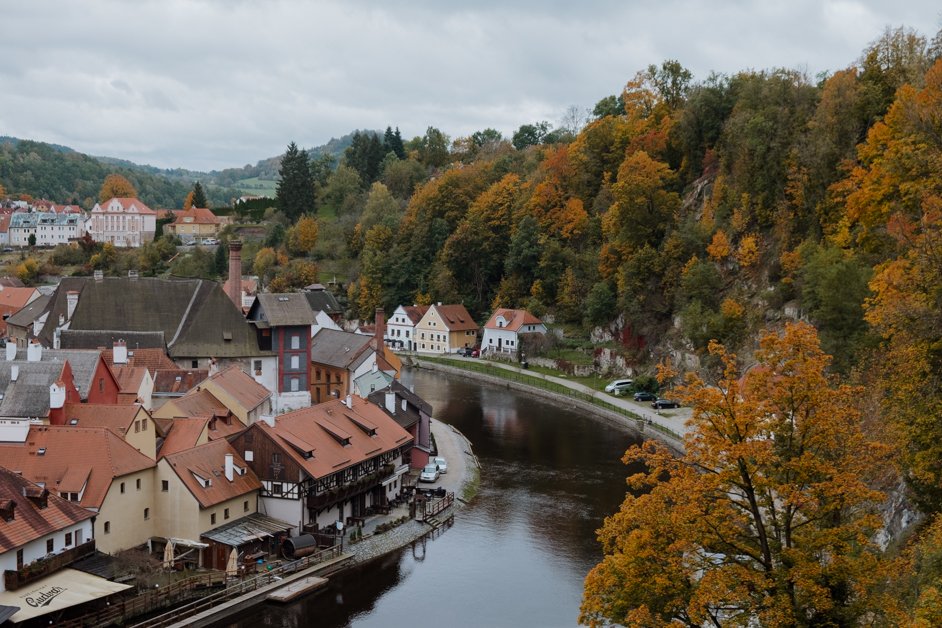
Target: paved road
674, 420
456, 451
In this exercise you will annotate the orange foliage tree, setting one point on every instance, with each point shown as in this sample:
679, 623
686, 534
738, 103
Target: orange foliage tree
116, 186
767, 517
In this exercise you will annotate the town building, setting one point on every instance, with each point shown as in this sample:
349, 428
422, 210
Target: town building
337, 359
20, 326
49, 228
400, 328
124, 222
413, 414
12, 300
327, 463
174, 383
323, 300
194, 223
505, 329
283, 323
133, 423
445, 329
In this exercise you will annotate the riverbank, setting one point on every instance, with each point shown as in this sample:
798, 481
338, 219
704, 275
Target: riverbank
668, 427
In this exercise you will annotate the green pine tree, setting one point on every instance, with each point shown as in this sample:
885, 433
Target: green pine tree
295, 192
199, 196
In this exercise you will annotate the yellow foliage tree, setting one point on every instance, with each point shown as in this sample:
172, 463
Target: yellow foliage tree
27, 271
748, 252
731, 308
303, 236
188, 201
116, 186
766, 519
719, 248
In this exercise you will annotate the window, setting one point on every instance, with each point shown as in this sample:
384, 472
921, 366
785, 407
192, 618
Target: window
212, 519
143, 424
68, 539
258, 367
138, 483
295, 384
276, 488
295, 362
50, 545
107, 527
101, 384
195, 364
225, 513
146, 514
245, 506
165, 485
19, 559
295, 342
122, 488
276, 458
137, 426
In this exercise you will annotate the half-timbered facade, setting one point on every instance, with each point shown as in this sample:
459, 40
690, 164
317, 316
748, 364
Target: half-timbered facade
327, 463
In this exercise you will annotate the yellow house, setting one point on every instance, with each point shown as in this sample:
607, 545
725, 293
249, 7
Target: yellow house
196, 222
131, 422
202, 488
98, 470
445, 329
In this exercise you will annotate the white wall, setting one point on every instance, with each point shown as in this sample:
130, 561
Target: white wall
81, 533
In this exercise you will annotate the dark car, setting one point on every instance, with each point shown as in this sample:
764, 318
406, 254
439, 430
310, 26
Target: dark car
466, 352
661, 404
644, 395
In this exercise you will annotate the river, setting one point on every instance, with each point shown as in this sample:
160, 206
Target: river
518, 554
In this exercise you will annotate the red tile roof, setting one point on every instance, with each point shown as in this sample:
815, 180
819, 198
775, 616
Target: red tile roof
241, 386
456, 317
108, 455
151, 359
197, 216
202, 470
336, 436
184, 434
125, 203
515, 319
116, 417
197, 402
14, 299
415, 312
129, 378
178, 380
30, 522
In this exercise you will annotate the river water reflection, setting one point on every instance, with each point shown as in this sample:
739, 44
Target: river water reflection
517, 556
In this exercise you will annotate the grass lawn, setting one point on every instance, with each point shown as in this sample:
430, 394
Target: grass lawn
256, 186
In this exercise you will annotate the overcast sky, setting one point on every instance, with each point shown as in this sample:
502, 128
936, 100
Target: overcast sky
219, 84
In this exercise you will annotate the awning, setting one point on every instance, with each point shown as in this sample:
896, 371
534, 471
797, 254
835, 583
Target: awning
6, 612
253, 527
396, 474
65, 588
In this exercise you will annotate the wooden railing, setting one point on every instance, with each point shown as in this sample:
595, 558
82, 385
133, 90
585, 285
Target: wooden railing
14, 579
435, 507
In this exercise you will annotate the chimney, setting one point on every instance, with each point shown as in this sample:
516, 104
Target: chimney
235, 272
391, 402
34, 351
120, 352
14, 372
349, 401
57, 403
71, 300
11, 350
230, 467
380, 327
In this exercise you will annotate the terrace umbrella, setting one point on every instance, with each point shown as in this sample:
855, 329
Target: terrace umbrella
168, 555
232, 568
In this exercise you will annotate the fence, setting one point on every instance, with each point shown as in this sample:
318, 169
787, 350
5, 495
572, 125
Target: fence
121, 612
536, 381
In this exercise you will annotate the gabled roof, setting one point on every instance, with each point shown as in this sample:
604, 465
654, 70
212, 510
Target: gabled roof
340, 349
415, 405
116, 417
129, 378
125, 203
29, 313
414, 312
108, 455
30, 522
243, 389
202, 471
372, 381
282, 309
329, 437
28, 396
178, 381
515, 319
249, 285
196, 216
322, 300
196, 403
84, 363
455, 317
184, 434
14, 299
194, 316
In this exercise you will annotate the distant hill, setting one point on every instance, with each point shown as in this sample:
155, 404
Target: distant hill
61, 174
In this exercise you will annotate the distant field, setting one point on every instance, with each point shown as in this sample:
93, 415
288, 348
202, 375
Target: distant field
256, 186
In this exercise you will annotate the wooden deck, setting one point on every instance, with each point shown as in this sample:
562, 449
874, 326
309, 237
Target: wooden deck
297, 588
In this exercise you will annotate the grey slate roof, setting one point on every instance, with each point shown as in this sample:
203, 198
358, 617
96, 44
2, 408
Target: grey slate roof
247, 529
25, 317
28, 396
95, 339
194, 315
341, 349
322, 301
283, 309
415, 405
83, 365
372, 381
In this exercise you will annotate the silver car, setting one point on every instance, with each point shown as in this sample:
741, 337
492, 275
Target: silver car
441, 463
429, 473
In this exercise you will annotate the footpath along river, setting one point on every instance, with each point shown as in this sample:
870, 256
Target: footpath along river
518, 554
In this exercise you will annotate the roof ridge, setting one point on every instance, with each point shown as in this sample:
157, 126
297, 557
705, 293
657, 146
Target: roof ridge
186, 314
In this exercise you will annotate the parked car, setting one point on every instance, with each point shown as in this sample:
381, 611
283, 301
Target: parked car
441, 463
619, 386
466, 351
187, 242
430, 473
210, 241
644, 395
475, 353
661, 404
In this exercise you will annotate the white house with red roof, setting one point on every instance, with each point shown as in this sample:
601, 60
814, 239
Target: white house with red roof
505, 327
124, 222
400, 328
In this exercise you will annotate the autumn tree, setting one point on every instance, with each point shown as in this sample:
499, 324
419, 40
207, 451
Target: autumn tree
302, 236
116, 186
766, 519
295, 191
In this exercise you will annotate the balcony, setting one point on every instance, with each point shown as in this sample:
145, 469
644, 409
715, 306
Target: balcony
32, 572
361, 485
